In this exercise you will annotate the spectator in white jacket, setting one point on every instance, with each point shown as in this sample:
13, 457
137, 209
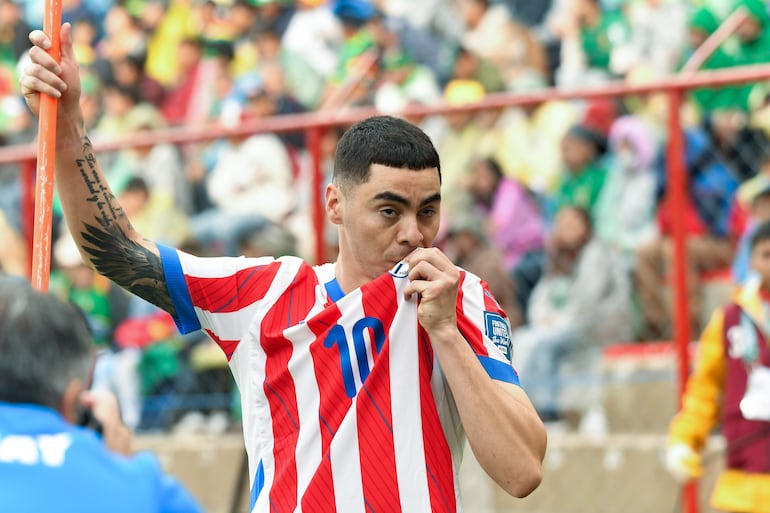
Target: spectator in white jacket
315, 35
250, 185
581, 304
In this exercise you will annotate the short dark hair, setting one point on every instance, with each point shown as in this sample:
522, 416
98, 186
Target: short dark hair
383, 140
45, 344
761, 234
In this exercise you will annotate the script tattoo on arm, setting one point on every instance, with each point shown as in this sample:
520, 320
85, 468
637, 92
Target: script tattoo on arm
113, 253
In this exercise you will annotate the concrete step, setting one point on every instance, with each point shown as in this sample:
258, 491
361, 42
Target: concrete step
582, 474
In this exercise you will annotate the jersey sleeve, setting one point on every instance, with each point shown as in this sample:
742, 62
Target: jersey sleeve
486, 328
701, 402
217, 295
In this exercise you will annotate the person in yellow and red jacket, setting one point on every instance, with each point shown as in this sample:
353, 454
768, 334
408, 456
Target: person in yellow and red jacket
730, 386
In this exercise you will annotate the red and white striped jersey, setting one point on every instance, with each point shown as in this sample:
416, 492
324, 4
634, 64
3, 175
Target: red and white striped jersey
345, 407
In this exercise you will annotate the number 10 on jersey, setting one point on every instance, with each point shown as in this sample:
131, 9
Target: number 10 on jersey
338, 337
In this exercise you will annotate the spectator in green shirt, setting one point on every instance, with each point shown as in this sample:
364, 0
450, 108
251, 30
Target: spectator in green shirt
600, 32
753, 47
753, 36
701, 25
354, 16
584, 175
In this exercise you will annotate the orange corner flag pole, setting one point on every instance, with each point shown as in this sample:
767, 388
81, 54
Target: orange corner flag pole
46, 147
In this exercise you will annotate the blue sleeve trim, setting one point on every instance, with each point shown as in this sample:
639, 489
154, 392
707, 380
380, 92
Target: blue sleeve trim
185, 318
498, 370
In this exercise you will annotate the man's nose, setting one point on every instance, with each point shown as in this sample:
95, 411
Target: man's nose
410, 233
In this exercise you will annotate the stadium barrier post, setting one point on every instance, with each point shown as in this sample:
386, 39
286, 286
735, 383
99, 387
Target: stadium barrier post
314, 136
677, 199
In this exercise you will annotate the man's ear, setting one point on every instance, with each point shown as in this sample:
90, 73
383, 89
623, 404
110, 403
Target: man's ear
334, 203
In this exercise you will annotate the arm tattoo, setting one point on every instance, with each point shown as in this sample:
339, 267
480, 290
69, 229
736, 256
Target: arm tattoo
130, 265
113, 253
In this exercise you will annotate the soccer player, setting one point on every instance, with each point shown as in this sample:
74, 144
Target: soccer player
46, 462
359, 379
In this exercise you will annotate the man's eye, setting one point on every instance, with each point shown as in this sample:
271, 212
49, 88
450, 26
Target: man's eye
428, 212
388, 212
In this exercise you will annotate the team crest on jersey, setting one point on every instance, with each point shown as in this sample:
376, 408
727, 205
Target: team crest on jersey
401, 270
499, 332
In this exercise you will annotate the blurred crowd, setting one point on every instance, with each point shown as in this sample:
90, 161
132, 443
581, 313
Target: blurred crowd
560, 206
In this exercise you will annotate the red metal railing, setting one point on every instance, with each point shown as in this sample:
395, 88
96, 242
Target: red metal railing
314, 125
676, 160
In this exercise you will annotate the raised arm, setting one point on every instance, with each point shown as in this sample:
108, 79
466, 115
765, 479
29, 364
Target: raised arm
98, 224
503, 429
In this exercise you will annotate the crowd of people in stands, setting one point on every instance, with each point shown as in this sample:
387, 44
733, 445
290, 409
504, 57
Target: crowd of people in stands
561, 206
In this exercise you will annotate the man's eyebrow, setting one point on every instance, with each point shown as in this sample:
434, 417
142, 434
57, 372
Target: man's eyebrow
392, 196
397, 198
431, 199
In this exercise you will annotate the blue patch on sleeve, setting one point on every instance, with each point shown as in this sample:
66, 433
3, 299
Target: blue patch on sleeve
498, 370
186, 320
499, 332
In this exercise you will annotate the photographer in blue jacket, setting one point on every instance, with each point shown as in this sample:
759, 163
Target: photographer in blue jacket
47, 461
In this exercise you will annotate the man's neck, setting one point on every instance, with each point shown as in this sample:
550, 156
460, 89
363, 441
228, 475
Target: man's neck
350, 275
346, 279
